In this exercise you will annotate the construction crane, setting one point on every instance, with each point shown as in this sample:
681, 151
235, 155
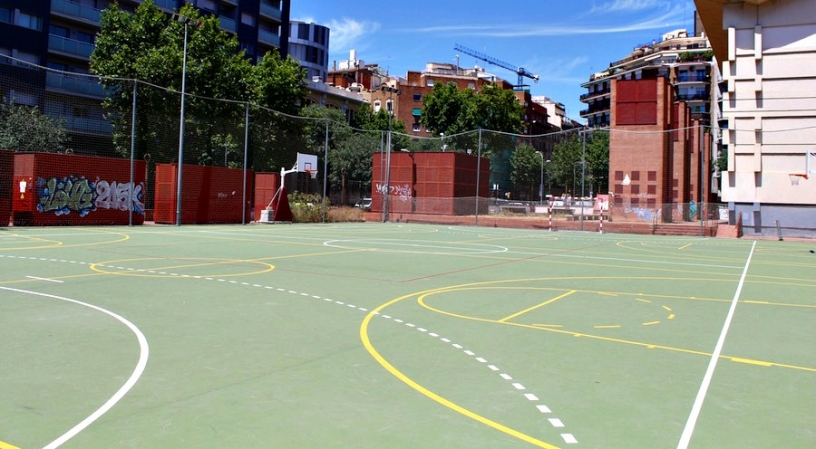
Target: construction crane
520, 71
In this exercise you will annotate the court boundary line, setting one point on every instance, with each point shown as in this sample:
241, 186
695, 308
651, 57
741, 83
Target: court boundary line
688, 430
144, 351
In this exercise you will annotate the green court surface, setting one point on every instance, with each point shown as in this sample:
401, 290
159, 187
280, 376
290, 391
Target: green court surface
403, 336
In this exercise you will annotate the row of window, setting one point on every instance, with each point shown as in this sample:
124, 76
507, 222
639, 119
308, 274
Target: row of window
21, 55
20, 18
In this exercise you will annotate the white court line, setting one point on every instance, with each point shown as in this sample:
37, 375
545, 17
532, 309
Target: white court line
685, 438
44, 279
144, 351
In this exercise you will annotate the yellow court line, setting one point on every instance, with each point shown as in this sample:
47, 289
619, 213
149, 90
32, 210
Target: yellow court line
537, 306
4, 445
667, 308
751, 361
651, 323
430, 394
615, 326
548, 325
684, 246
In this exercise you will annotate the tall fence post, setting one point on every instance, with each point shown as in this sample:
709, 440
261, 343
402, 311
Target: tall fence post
246, 160
133, 156
478, 175
325, 167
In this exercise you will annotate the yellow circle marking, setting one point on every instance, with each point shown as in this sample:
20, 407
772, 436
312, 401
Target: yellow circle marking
100, 267
59, 244
430, 394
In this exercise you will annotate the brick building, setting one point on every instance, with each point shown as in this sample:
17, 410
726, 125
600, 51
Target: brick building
654, 152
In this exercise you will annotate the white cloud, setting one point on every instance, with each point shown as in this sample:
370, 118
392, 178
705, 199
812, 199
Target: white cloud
669, 18
347, 33
627, 5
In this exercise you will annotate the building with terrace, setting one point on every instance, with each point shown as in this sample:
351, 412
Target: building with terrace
60, 35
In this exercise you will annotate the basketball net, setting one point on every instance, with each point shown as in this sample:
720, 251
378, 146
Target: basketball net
795, 177
312, 173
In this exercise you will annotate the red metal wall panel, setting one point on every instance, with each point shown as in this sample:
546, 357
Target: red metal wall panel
266, 184
68, 189
209, 194
429, 182
6, 186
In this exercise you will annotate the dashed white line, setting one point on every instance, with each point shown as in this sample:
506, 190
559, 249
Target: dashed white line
543, 409
568, 438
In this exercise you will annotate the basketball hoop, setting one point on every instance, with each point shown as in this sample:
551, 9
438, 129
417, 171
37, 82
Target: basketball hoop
312, 173
794, 178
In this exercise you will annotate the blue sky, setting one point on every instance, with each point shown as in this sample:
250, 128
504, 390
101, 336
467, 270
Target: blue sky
562, 41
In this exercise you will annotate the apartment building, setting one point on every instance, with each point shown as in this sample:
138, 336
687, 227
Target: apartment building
60, 35
685, 60
768, 54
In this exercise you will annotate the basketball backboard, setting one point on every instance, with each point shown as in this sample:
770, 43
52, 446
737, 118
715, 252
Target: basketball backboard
306, 162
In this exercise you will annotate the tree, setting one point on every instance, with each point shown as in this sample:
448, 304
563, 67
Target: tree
148, 45
369, 120
448, 110
499, 110
25, 128
567, 157
525, 172
451, 111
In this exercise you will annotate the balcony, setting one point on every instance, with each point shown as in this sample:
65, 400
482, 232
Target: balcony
227, 24
597, 93
73, 11
85, 85
270, 11
166, 4
269, 38
691, 78
692, 97
70, 46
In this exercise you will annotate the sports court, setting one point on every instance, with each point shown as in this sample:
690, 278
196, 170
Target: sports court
371, 335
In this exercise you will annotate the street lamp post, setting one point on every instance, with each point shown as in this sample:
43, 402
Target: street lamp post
390, 111
186, 21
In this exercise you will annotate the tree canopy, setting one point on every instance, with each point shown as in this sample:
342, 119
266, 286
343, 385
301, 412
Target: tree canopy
450, 111
148, 45
567, 167
25, 128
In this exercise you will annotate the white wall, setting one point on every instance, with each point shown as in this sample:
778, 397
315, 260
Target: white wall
770, 102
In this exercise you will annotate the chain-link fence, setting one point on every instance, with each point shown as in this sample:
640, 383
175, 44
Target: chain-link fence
659, 181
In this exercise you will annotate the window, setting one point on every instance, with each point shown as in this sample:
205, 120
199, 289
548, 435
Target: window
303, 31
429, 82
59, 31
651, 190
57, 66
85, 37
417, 97
27, 57
5, 15
206, 4
377, 106
28, 21
416, 128
389, 105
247, 19
651, 175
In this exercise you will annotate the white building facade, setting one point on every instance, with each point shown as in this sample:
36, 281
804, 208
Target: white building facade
768, 57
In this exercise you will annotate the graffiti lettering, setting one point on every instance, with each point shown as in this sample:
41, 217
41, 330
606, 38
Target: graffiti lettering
77, 194
402, 192
64, 195
116, 195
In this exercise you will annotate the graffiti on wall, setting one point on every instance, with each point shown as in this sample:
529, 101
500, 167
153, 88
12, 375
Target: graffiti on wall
80, 195
402, 192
